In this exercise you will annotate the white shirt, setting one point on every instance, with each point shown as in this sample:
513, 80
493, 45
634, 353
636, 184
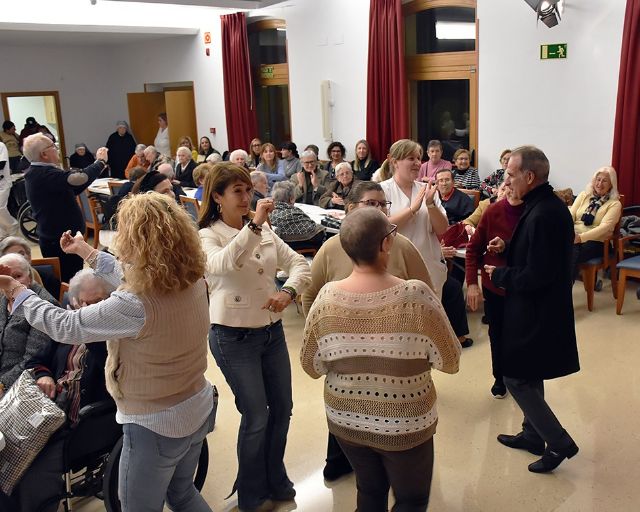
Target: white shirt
5, 181
241, 267
162, 143
419, 230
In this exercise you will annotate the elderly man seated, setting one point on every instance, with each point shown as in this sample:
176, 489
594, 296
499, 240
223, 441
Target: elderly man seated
167, 170
458, 205
311, 182
294, 226
260, 187
72, 376
19, 342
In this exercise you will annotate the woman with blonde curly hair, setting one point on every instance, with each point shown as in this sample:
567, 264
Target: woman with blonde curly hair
157, 322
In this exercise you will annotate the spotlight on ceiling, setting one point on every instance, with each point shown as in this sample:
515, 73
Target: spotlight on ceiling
548, 11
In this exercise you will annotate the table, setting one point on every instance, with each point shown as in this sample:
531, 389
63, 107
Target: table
101, 186
317, 214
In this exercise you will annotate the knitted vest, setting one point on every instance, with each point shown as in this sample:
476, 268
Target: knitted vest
165, 364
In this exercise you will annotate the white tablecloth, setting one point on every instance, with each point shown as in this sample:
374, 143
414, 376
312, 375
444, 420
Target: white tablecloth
317, 214
101, 186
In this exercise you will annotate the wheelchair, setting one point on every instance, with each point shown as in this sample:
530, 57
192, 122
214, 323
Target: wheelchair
91, 457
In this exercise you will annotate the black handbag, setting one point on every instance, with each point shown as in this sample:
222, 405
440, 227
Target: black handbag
331, 222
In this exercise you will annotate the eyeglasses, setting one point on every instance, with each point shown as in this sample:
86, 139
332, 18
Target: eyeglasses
376, 204
311, 162
393, 232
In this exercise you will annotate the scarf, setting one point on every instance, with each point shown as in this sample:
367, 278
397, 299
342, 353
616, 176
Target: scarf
595, 202
68, 385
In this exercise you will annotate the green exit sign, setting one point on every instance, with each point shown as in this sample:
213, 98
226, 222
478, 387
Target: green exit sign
553, 51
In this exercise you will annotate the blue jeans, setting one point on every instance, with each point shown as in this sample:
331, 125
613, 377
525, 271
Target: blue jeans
255, 363
153, 467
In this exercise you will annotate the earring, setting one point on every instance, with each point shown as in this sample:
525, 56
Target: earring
218, 207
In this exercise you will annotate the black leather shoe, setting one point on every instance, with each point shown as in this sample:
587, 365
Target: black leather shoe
521, 443
499, 390
551, 459
286, 494
466, 343
334, 470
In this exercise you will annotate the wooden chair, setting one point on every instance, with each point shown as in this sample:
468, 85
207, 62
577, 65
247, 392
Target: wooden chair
92, 216
473, 194
191, 205
589, 269
629, 267
115, 186
52, 264
64, 290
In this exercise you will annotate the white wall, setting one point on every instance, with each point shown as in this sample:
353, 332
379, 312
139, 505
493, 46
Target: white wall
326, 40
566, 107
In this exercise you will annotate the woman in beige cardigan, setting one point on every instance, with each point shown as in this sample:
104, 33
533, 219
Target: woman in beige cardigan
595, 213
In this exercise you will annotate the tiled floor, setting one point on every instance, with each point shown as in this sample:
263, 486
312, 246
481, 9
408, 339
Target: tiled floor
473, 473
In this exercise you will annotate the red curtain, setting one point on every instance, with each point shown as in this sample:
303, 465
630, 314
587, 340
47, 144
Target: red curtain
239, 102
626, 136
387, 109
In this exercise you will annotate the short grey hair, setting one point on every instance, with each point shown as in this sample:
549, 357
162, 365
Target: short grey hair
34, 145
238, 152
18, 259
308, 153
86, 278
149, 149
167, 170
140, 148
257, 176
214, 158
283, 192
183, 149
343, 164
10, 241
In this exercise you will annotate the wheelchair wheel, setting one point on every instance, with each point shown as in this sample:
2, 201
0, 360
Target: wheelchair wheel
28, 224
111, 473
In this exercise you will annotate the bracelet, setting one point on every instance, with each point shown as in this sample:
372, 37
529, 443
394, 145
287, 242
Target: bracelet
431, 205
291, 291
255, 228
12, 291
92, 258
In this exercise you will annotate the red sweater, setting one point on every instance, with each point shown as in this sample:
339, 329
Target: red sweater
500, 220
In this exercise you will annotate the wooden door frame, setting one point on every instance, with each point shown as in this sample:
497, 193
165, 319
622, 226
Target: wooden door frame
56, 96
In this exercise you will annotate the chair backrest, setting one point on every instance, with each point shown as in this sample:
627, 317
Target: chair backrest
473, 194
83, 201
115, 186
50, 264
191, 205
64, 295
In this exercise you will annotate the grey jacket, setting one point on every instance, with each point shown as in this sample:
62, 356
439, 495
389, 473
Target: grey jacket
19, 342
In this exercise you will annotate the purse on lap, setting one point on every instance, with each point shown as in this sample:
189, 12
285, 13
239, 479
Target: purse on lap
28, 418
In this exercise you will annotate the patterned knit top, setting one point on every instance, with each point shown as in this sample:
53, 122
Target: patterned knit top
377, 350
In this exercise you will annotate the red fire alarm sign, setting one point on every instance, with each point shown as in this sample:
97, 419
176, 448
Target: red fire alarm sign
207, 38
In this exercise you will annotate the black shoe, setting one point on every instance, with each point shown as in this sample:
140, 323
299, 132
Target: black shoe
285, 494
551, 459
521, 443
334, 470
466, 343
485, 320
499, 390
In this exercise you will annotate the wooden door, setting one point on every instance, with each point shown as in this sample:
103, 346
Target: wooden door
181, 114
144, 108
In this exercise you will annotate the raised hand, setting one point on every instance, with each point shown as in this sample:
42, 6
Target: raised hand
263, 208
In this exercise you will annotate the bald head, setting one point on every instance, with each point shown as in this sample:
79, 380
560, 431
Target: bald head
362, 233
167, 170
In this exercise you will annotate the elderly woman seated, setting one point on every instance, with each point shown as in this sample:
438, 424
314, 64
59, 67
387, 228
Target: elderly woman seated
595, 213
72, 376
260, 187
81, 157
294, 226
184, 167
311, 182
338, 190
19, 342
18, 245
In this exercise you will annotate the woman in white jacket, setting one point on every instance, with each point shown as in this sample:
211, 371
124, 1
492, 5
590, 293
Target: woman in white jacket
246, 336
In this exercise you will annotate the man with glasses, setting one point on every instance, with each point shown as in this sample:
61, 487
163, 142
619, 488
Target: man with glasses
311, 182
52, 193
331, 263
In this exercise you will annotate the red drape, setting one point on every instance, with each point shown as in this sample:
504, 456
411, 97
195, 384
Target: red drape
239, 103
387, 109
626, 137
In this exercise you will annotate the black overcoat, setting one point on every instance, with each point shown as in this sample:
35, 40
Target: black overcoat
539, 339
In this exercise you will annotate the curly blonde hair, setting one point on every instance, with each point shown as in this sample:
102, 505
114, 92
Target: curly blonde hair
158, 244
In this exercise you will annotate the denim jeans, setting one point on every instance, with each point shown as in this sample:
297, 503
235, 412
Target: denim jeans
255, 363
155, 467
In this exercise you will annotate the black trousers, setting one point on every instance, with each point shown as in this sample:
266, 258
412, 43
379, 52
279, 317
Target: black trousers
494, 309
584, 252
70, 264
455, 306
407, 472
540, 423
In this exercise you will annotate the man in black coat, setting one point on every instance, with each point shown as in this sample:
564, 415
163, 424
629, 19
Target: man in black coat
52, 193
539, 329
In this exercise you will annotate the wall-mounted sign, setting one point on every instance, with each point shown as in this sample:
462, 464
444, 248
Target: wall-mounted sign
266, 71
553, 51
207, 38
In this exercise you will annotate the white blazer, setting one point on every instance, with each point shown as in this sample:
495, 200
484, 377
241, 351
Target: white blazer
241, 267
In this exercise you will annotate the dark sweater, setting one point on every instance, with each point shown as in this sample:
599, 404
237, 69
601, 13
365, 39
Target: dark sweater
53, 198
458, 206
500, 220
185, 177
